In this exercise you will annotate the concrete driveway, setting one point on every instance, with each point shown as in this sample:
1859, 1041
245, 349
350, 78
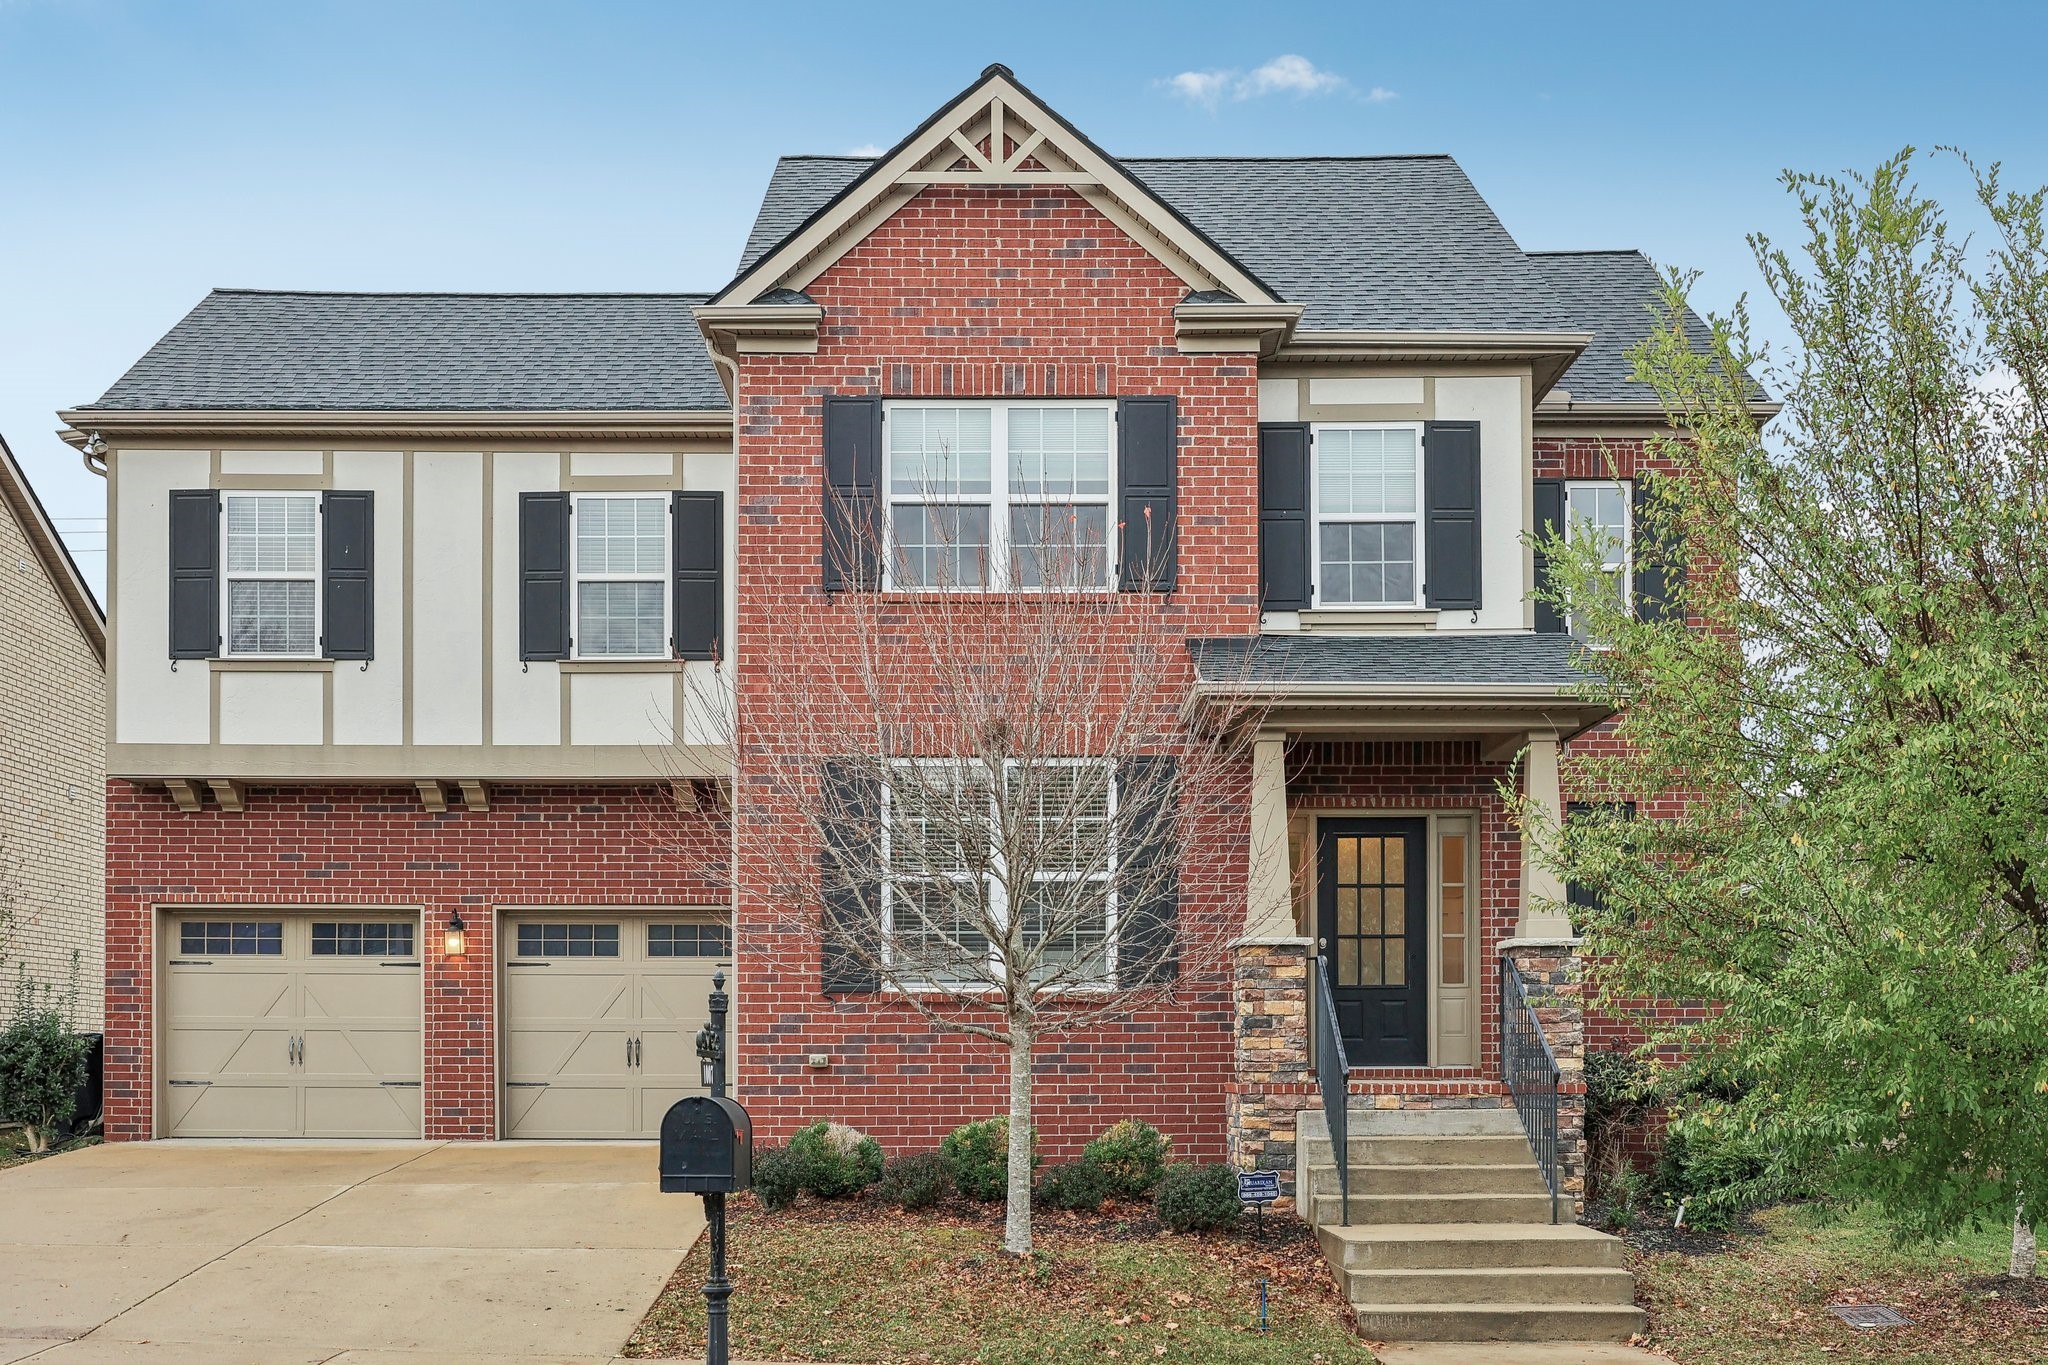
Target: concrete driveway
268, 1253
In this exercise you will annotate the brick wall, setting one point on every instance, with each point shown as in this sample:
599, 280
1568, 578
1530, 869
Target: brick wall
372, 846
52, 734
983, 292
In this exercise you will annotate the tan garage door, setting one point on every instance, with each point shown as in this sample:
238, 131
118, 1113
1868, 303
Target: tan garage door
601, 1018
281, 1025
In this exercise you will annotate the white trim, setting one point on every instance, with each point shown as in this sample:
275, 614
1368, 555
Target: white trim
229, 576
1316, 518
665, 576
999, 499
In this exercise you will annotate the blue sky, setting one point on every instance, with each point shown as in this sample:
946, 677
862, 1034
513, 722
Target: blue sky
151, 151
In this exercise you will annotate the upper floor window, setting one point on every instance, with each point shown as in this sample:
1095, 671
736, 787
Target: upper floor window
1365, 484
622, 573
998, 495
271, 585
1597, 513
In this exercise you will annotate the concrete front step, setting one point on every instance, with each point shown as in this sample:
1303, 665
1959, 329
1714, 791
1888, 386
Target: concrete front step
1463, 1246
1499, 1322
1433, 1208
1488, 1149
1466, 1178
1367, 1122
1520, 1284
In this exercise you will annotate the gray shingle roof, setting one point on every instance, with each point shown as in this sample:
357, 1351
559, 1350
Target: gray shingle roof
1537, 662
280, 350
1396, 243
1610, 293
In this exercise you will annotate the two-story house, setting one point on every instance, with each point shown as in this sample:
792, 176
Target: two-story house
417, 600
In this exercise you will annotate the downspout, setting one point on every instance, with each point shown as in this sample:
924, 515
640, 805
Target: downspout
94, 453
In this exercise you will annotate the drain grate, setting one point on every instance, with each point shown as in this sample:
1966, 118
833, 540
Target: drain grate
1864, 1316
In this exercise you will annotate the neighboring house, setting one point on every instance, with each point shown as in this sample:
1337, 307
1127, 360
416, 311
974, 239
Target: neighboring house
53, 662
417, 598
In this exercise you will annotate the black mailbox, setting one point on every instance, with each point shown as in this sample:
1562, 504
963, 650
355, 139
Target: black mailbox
707, 1147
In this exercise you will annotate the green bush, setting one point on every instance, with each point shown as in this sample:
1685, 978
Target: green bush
1077, 1185
42, 1063
1132, 1156
778, 1178
1718, 1171
916, 1180
834, 1160
1198, 1198
977, 1157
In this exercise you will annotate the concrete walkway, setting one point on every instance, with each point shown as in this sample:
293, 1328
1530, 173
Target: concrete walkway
269, 1253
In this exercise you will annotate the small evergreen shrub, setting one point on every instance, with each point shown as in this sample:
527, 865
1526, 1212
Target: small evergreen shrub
1198, 1198
1719, 1171
977, 1157
916, 1180
1132, 1156
42, 1062
1077, 1185
778, 1178
834, 1160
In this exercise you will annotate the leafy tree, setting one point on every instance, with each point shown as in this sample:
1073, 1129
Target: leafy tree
1840, 769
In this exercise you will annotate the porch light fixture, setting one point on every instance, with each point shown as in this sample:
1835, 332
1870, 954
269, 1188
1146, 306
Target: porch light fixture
454, 942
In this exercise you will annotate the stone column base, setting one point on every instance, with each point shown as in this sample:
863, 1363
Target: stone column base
1273, 1080
1552, 977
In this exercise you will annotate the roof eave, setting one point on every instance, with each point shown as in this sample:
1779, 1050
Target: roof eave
760, 328
1632, 412
1257, 328
1547, 353
81, 424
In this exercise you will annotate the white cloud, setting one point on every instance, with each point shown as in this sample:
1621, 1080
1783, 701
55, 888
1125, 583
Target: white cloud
865, 149
1288, 74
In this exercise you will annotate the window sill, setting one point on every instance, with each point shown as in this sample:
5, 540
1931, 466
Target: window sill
1350, 618
285, 665
621, 665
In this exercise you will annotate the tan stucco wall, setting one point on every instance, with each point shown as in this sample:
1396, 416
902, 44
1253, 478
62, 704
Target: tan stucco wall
52, 782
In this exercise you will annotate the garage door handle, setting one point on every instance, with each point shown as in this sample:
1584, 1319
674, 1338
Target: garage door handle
515, 1085
529, 964
398, 964
411, 1083
191, 962
188, 1082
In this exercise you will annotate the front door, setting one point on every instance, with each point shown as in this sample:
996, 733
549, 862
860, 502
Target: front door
1372, 917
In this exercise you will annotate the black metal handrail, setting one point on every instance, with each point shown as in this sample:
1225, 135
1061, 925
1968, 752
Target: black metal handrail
1333, 1079
1529, 1069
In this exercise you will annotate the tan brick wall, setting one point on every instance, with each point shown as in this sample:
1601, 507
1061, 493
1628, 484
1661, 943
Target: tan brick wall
52, 782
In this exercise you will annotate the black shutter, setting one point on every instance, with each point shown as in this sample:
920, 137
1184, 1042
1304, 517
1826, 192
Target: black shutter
1283, 516
346, 522
195, 573
853, 505
1147, 466
1148, 898
1659, 555
1549, 523
850, 879
699, 601
1450, 506
543, 575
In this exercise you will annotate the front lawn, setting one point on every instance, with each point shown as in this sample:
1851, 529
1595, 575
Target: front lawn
1764, 1298
860, 1282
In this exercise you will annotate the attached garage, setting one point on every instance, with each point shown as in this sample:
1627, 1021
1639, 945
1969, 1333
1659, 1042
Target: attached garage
283, 1024
601, 1013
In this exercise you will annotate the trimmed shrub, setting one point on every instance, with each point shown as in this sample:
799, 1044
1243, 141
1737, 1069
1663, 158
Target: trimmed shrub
1077, 1185
977, 1157
1198, 1198
1718, 1171
916, 1180
1132, 1156
834, 1160
778, 1178
42, 1062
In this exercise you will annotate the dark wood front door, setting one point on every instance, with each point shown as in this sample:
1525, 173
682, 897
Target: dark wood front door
1372, 916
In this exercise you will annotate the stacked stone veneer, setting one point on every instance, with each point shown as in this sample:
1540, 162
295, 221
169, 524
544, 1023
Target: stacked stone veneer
1274, 1080
1552, 976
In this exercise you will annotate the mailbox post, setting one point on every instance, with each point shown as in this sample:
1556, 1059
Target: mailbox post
707, 1149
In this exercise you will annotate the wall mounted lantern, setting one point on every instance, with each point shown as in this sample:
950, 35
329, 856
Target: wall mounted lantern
454, 943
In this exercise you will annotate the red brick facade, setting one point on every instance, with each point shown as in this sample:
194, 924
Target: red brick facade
376, 847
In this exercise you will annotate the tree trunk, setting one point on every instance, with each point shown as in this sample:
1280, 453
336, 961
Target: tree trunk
38, 1138
1017, 1209
2022, 1267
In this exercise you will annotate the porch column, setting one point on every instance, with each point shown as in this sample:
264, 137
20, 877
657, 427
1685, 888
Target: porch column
1539, 883
1269, 902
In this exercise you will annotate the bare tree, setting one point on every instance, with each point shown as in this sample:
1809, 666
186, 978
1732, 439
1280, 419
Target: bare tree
981, 789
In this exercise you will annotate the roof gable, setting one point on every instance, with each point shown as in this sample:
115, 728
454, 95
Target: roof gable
1613, 294
19, 498
996, 133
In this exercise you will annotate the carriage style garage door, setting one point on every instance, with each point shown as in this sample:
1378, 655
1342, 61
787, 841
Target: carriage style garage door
291, 1025
601, 1016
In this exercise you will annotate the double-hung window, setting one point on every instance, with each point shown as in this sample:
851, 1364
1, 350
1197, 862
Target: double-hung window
620, 600
949, 890
1597, 513
998, 495
1365, 497
271, 585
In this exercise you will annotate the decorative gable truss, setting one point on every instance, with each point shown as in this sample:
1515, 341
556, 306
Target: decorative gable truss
996, 133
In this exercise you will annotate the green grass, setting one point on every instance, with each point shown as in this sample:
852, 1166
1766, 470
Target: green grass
843, 1284
1765, 1300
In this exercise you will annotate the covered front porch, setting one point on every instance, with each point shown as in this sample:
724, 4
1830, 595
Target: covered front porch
1388, 884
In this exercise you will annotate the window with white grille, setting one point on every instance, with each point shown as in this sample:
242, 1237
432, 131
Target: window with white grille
272, 583
1597, 514
620, 603
1366, 494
